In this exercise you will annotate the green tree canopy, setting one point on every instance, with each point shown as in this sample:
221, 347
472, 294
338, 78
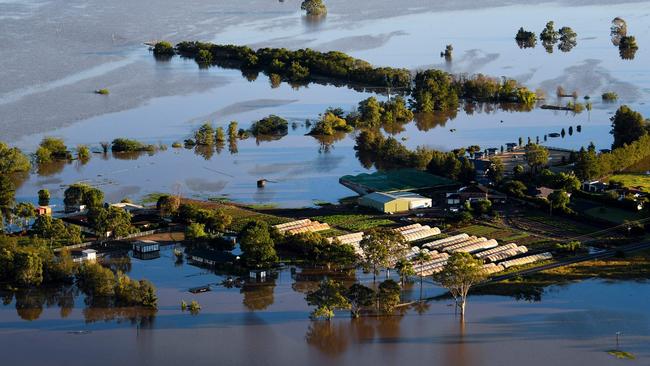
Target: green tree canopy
327, 298
256, 243
359, 296
461, 272
111, 220
382, 248
388, 296
536, 156
43, 197
314, 7
12, 160
627, 126
205, 135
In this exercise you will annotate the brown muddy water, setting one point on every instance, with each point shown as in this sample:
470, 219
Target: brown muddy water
267, 324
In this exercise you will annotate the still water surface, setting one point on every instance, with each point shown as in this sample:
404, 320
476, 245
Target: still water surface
267, 324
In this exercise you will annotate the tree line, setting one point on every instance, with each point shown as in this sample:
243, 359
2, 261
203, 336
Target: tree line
430, 90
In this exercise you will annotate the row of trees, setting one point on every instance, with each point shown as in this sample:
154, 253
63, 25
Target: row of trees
631, 145
29, 262
549, 37
333, 295
430, 90
101, 283
298, 66
459, 275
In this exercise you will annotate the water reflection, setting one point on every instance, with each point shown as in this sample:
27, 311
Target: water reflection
330, 337
326, 142
141, 317
313, 22
258, 295
427, 121
627, 53
52, 168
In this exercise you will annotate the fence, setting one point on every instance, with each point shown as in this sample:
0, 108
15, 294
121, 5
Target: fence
130, 236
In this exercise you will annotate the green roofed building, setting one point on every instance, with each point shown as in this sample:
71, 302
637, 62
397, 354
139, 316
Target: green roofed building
393, 181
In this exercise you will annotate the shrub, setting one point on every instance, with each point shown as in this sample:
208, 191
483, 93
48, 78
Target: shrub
163, 48
270, 126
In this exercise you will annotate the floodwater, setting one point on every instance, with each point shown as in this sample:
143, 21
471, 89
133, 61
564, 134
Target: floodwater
267, 324
164, 102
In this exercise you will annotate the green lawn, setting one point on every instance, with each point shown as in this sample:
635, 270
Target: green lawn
354, 222
478, 230
613, 214
633, 180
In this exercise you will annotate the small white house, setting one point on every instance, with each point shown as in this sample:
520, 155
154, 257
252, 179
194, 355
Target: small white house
87, 255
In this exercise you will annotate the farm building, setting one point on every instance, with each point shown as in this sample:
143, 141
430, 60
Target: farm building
395, 202
146, 249
44, 211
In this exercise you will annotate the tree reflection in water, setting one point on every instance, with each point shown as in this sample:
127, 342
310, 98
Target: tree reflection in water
333, 337
258, 295
142, 317
329, 337
427, 121
326, 142
204, 151
52, 168
30, 303
232, 146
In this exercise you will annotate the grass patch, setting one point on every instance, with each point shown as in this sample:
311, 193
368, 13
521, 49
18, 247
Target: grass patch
478, 230
152, 197
242, 216
642, 181
621, 355
562, 223
262, 206
354, 222
613, 214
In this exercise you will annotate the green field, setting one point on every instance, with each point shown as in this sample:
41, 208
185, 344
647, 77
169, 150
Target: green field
640, 181
613, 214
354, 222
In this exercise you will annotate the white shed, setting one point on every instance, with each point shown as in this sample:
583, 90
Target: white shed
89, 255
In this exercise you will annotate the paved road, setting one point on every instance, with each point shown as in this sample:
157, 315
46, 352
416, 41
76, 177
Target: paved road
599, 255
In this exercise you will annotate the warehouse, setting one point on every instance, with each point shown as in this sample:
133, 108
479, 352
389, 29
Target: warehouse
394, 202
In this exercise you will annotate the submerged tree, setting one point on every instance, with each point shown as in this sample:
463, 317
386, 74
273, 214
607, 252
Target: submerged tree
525, 39
382, 248
359, 296
388, 296
627, 47
420, 258
567, 39
461, 272
327, 298
549, 34
314, 7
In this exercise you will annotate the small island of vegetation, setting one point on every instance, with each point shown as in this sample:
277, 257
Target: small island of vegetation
270, 126
314, 7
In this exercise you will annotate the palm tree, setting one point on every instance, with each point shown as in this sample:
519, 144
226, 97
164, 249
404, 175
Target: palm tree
405, 269
420, 258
